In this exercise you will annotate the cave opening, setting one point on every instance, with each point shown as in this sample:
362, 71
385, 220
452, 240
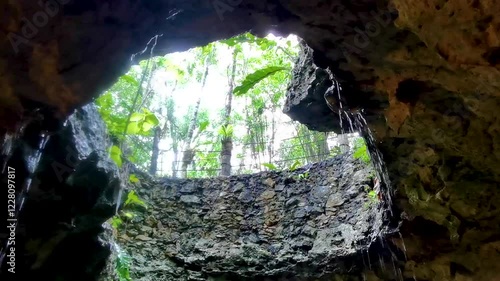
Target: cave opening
217, 110
176, 117
255, 88
427, 77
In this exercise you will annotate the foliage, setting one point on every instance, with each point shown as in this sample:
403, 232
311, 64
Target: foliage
133, 178
263, 43
252, 79
270, 166
226, 132
361, 151
116, 155
142, 122
128, 125
372, 197
261, 74
295, 165
302, 176
116, 222
372, 194
123, 266
123, 260
133, 199
307, 146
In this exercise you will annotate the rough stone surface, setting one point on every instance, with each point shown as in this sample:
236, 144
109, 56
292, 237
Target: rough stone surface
428, 73
217, 229
305, 96
72, 193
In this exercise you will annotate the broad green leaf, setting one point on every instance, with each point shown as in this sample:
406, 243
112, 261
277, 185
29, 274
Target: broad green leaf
152, 119
133, 178
295, 165
136, 117
133, 199
134, 128
147, 126
252, 79
204, 125
270, 166
130, 80
226, 131
116, 155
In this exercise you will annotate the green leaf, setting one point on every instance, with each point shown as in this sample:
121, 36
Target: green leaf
133, 128
204, 125
295, 165
226, 131
133, 178
270, 166
123, 266
152, 119
136, 117
372, 194
116, 222
361, 151
147, 126
129, 215
252, 79
130, 80
133, 199
116, 155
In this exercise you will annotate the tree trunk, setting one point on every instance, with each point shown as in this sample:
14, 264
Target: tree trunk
324, 149
188, 154
270, 146
227, 148
175, 139
227, 141
153, 167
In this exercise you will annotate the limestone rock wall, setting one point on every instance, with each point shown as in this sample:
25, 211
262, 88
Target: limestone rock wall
302, 225
66, 196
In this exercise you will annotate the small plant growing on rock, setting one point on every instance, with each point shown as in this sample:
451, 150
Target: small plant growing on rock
123, 266
295, 165
302, 176
127, 213
270, 166
361, 151
372, 197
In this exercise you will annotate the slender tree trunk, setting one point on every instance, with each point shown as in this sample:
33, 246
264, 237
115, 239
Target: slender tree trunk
171, 126
188, 154
343, 141
153, 167
310, 149
324, 149
270, 146
175, 162
227, 141
175, 139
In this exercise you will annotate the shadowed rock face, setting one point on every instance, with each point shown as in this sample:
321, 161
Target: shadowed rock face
306, 94
298, 225
72, 192
426, 71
